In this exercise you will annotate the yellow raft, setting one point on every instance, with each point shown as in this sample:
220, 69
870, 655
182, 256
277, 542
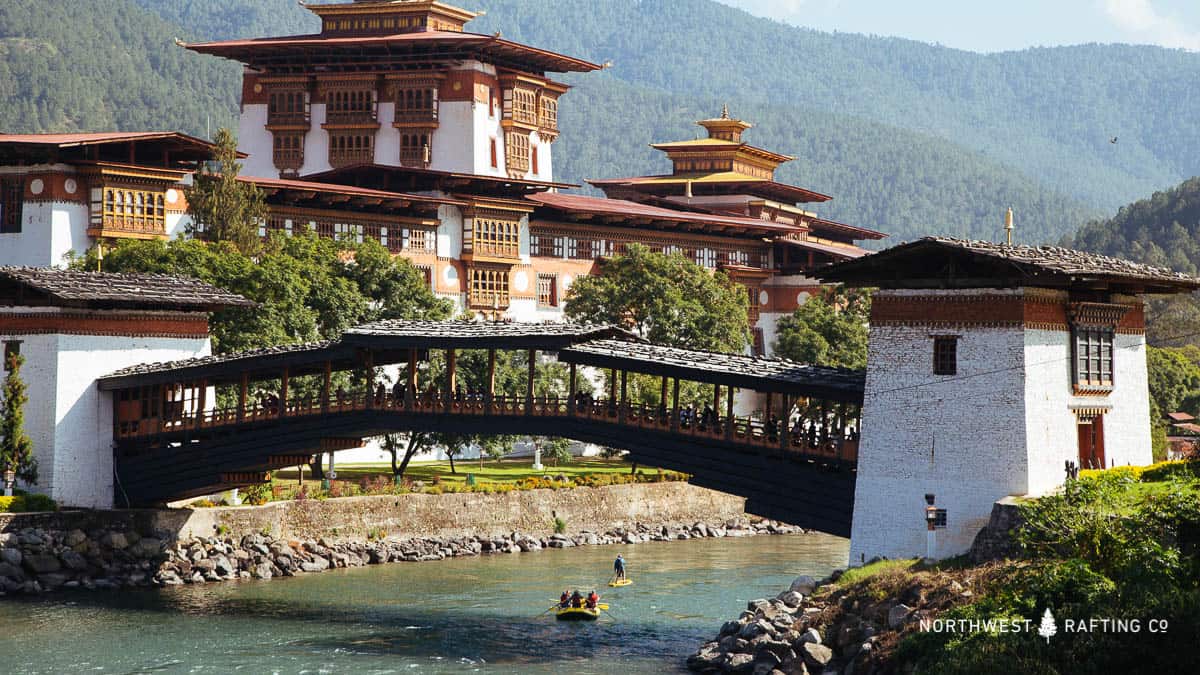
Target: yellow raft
577, 614
620, 582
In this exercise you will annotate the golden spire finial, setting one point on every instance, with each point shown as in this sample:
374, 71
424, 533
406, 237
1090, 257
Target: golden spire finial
1008, 224
724, 111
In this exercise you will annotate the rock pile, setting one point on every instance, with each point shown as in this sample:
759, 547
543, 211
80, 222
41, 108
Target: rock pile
36, 560
790, 635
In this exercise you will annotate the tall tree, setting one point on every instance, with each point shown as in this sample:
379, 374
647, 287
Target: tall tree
665, 298
828, 330
16, 450
222, 207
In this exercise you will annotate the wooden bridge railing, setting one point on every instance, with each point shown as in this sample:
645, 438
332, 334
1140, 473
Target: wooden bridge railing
806, 437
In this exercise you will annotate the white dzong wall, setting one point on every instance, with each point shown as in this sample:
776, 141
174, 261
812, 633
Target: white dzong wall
68, 419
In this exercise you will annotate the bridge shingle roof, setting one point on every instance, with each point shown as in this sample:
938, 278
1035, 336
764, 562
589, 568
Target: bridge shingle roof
76, 288
751, 372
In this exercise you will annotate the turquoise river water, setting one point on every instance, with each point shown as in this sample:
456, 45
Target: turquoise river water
453, 616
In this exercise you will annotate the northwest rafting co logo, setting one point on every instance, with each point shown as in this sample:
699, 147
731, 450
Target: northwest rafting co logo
1048, 628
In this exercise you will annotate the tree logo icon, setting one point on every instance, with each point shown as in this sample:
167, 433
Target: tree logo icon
1047, 629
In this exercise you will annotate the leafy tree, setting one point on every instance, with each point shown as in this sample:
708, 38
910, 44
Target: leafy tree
16, 450
829, 330
494, 447
222, 207
1173, 377
453, 445
308, 288
667, 299
557, 448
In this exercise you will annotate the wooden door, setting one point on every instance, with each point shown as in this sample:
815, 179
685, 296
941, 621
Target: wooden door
1091, 443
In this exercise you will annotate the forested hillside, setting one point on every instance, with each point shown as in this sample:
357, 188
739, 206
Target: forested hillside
1162, 230
909, 138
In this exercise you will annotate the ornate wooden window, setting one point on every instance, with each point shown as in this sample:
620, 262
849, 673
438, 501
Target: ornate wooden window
492, 147
583, 249
548, 115
547, 290
1092, 348
132, 211
524, 106
351, 106
415, 149
516, 153
945, 355
420, 240
416, 105
533, 158
496, 237
426, 272
488, 287
288, 151
288, 107
352, 147
12, 204
546, 246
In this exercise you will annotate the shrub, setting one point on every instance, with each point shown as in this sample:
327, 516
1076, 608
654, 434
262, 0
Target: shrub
302, 493
203, 504
257, 495
376, 533
24, 503
433, 490
560, 525
222, 529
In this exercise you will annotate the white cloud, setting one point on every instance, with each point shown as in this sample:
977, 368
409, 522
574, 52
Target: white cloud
1139, 18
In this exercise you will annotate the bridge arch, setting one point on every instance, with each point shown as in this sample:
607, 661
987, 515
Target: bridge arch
194, 427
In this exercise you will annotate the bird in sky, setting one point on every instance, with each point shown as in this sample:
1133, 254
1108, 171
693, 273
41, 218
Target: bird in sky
1113, 139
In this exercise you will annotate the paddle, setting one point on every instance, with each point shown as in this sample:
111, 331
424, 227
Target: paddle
551, 609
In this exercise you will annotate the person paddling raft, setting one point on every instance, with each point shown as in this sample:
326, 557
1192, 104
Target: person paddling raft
619, 567
577, 599
564, 600
592, 599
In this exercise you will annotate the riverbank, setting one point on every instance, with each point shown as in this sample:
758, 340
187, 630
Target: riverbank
1100, 577
115, 549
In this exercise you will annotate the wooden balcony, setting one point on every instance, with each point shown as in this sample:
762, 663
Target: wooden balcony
288, 120
350, 157
423, 118
128, 227
351, 118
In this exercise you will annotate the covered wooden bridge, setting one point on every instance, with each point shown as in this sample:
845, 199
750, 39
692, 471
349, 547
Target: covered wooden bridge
198, 426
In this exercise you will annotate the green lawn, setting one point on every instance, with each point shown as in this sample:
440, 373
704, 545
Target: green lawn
504, 471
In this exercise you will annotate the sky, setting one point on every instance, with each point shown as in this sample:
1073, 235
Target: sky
997, 25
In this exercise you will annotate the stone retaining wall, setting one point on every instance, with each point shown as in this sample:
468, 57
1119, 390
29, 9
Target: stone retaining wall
113, 549
471, 514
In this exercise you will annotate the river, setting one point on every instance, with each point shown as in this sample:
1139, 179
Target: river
454, 616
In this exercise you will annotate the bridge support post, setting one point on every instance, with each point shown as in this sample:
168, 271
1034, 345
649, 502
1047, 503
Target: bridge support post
369, 378
326, 381
571, 391
410, 393
490, 395
785, 413
716, 406
824, 421
532, 356
241, 407
201, 403
662, 397
675, 406
283, 393
729, 420
451, 376
612, 389
623, 406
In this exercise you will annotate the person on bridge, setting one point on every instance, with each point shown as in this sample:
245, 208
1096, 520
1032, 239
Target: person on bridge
564, 600
592, 599
619, 567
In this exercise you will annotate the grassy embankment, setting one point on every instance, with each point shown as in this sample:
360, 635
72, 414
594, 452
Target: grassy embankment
1122, 544
435, 478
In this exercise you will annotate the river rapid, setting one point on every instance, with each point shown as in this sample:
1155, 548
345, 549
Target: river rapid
458, 615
